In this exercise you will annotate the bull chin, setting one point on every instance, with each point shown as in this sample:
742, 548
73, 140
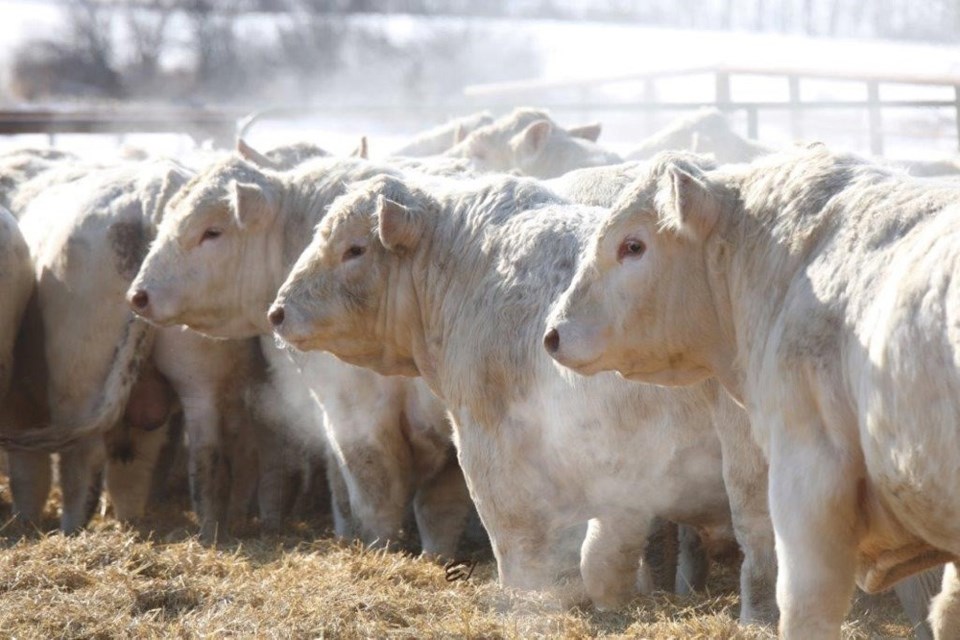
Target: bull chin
312, 340
152, 319
300, 343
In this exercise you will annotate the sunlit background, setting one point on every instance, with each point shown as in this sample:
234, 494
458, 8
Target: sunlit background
878, 77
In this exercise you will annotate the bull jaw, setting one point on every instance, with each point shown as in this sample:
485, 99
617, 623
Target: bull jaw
303, 336
219, 331
666, 377
584, 368
300, 343
359, 358
151, 318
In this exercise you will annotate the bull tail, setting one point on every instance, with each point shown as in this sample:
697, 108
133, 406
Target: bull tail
135, 346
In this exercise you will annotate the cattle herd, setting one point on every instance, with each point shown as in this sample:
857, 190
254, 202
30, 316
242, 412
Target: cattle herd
761, 346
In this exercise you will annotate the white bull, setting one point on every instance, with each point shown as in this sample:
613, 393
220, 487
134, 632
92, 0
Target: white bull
218, 260
16, 285
707, 132
530, 142
83, 372
819, 289
73, 373
451, 280
439, 139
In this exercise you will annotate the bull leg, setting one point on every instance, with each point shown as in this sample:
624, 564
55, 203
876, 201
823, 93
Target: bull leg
813, 505
81, 481
659, 567
276, 490
380, 484
758, 573
442, 506
610, 556
209, 491
377, 466
945, 610
30, 477
745, 477
131, 463
244, 466
693, 565
314, 494
915, 595
209, 479
273, 487
538, 557
532, 550
170, 466
343, 522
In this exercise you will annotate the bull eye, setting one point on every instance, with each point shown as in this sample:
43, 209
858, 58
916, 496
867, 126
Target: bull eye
631, 248
354, 251
210, 234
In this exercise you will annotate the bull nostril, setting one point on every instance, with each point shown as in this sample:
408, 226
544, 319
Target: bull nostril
276, 316
552, 341
140, 299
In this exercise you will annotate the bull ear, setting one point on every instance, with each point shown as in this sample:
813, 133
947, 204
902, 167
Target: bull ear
533, 139
692, 203
589, 132
254, 156
253, 203
155, 197
400, 226
361, 150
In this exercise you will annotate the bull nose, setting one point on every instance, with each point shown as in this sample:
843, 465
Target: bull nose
551, 341
276, 315
140, 299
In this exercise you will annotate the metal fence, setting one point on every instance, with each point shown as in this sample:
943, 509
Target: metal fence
224, 124
722, 76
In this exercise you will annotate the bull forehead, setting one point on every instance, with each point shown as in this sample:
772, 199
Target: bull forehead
192, 213
346, 226
352, 213
213, 186
638, 214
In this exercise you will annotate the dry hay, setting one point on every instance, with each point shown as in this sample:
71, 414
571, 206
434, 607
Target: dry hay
156, 580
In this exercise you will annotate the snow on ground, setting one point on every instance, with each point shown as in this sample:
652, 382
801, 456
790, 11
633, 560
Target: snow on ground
584, 50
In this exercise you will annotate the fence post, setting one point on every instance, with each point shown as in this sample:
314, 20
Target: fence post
584, 104
753, 126
876, 122
650, 98
723, 90
956, 97
796, 121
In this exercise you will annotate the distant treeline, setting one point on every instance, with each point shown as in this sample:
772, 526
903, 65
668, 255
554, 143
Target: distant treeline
122, 49
932, 20
936, 20
203, 51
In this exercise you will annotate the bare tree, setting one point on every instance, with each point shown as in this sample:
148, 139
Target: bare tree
147, 24
217, 66
310, 44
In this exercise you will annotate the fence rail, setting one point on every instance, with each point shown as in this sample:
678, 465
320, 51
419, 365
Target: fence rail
218, 124
722, 75
223, 125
